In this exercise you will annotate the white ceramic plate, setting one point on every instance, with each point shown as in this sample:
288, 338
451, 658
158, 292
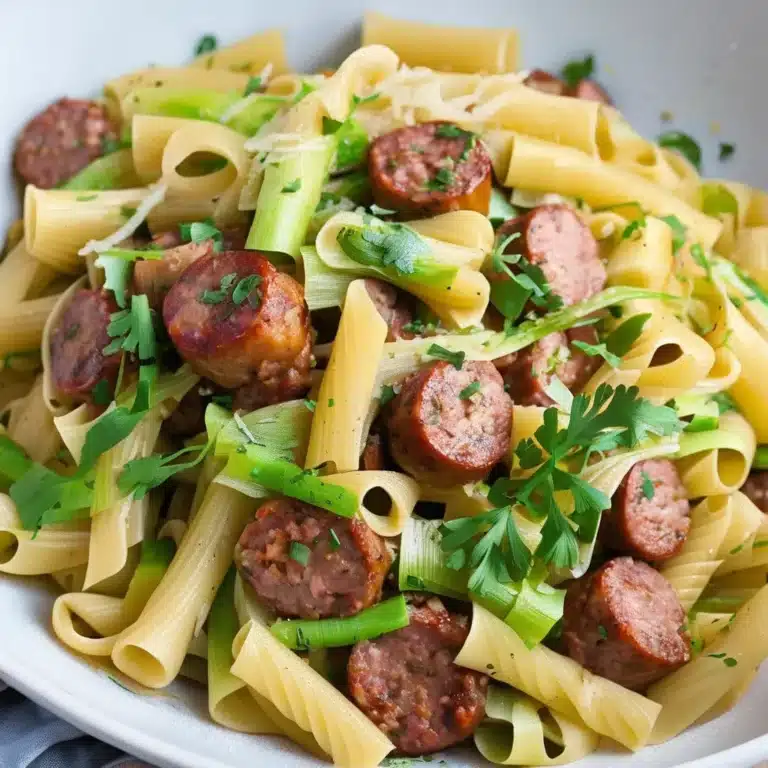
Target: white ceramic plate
705, 62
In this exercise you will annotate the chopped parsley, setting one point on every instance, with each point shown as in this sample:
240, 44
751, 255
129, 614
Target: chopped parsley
299, 552
331, 402
291, 187
102, 393
383, 245
310, 405
697, 644
359, 100
602, 631
206, 44
717, 199
634, 227
414, 582
72, 331
726, 151
85, 198
441, 353
441, 181
132, 330
252, 86
577, 70
245, 290
469, 390
684, 144
678, 232
388, 393
200, 231
335, 542
649, 491
618, 342
218, 296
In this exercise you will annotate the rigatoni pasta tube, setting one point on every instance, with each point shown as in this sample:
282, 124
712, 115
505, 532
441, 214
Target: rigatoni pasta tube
57, 222
347, 388
22, 324
547, 167
249, 56
149, 135
153, 649
688, 693
450, 49
23, 276
307, 699
557, 681
31, 425
644, 260
53, 548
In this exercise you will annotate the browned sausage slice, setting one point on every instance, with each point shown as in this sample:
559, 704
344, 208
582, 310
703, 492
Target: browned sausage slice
529, 372
430, 168
625, 622
256, 339
78, 363
374, 454
442, 438
61, 141
756, 489
554, 238
589, 90
154, 277
650, 515
407, 684
344, 573
543, 81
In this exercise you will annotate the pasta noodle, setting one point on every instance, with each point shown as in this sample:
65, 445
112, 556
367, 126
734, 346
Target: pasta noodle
250, 55
558, 682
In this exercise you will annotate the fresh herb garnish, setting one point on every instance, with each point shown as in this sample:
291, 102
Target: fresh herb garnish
252, 86
291, 187
126, 211
469, 390
681, 142
726, 151
331, 402
388, 393
618, 343
649, 491
310, 405
577, 70
717, 199
602, 631
206, 44
698, 255
634, 227
101, 394
299, 552
219, 295
225, 401
132, 330
359, 100
85, 198
245, 290
335, 542
200, 231
609, 419
724, 402
441, 353
441, 181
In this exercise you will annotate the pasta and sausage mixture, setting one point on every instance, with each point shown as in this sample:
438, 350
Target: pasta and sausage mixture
405, 404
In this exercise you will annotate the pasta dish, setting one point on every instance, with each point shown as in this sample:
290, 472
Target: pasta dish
403, 405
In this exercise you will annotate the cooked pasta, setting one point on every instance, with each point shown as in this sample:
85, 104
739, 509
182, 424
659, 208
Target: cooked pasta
409, 404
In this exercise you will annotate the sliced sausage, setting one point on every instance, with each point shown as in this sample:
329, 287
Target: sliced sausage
154, 277
78, 362
624, 622
258, 341
61, 141
232, 239
393, 307
756, 489
589, 90
554, 238
527, 373
443, 439
345, 570
650, 514
407, 684
430, 168
546, 82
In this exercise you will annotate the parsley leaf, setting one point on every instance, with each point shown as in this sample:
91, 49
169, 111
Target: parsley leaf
132, 330
102, 393
117, 276
310, 405
577, 70
252, 86
140, 476
218, 296
441, 353
724, 402
335, 542
293, 186
299, 552
206, 44
244, 290
200, 231
698, 255
681, 142
388, 393
634, 227
441, 181
649, 491
470, 390
598, 350
359, 100
620, 341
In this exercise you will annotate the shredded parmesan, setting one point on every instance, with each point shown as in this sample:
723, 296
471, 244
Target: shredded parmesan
243, 103
156, 196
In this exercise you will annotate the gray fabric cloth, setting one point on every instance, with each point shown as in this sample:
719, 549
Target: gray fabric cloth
31, 737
